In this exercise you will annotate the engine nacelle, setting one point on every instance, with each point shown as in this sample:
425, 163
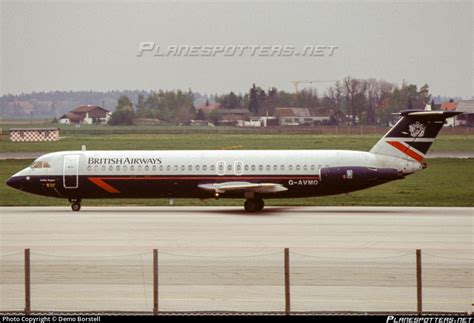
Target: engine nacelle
358, 175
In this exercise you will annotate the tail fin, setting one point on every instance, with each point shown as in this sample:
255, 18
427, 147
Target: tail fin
413, 134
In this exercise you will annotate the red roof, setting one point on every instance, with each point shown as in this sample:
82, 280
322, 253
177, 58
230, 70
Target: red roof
449, 106
291, 112
210, 107
87, 108
72, 117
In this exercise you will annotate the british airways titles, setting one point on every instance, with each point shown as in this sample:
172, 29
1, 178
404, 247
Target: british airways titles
122, 161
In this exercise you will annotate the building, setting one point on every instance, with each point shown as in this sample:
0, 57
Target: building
34, 134
449, 106
208, 107
299, 117
86, 114
231, 117
467, 118
258, 121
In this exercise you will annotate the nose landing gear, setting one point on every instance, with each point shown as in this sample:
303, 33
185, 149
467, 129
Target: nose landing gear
76, 204
254, 205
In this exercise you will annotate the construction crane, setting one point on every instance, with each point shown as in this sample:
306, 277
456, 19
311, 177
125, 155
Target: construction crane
310, 82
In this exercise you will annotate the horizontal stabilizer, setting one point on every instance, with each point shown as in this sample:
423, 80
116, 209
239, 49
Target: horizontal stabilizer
244, 186
413, 134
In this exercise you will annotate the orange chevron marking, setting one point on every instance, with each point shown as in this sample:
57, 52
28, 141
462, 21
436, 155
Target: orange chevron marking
99, 182
406, 150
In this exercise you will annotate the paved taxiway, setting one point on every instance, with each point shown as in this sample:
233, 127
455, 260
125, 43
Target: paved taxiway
221, 258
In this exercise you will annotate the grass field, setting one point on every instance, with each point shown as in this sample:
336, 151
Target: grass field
446, 182
444, 143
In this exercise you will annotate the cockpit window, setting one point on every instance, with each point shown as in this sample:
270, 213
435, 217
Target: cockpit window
40, 164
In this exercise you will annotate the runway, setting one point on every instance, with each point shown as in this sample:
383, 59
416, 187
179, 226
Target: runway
221, 258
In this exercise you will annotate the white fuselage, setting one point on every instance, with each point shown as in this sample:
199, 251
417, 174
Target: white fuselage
215, 162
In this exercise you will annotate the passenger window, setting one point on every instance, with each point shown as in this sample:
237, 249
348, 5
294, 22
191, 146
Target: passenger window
89, 167
168, 168
132, 168
183, 168
111, 168
117, 168
103, 168
213, 168
229, 168
253, 167
204, 167
176, 168
190, 168
305, 167
275, 167
147, 167
260, 167
96, 167
197, 168
290, 167
268, 167
154, 168
312, 167
139, 167
246, 167
124, 167
282, 167
298, 167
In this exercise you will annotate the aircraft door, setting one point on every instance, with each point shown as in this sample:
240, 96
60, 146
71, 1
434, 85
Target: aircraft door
71, 171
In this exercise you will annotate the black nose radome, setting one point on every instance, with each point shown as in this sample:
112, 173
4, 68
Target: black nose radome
15, 182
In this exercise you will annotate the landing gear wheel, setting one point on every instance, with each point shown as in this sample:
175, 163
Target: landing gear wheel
254, 205
76, 206
260, 205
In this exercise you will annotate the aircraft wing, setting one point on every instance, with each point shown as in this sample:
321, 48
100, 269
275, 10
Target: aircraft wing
244, 186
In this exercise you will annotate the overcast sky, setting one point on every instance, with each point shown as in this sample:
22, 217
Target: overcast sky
93, 46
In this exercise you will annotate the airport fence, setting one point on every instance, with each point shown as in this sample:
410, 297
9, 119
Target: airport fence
280, 282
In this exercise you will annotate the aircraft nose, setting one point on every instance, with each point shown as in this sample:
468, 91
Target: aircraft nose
15, 182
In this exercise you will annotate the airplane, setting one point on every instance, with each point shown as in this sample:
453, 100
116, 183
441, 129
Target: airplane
253, 175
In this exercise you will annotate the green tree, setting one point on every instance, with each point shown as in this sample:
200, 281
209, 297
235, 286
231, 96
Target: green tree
230, 101
124, 102
214, 117
123, 114
253, 100
122, 117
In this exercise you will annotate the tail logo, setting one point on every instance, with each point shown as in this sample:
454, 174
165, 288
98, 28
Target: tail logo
417, 129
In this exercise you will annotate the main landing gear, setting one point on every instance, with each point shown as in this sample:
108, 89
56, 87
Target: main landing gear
76, 204
254, 205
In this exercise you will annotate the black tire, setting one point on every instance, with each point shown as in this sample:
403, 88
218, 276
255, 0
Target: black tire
250, 205
76, 206
254, 205
260, 205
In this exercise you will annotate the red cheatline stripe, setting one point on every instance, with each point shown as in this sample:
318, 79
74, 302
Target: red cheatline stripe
99, 182
407, 151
